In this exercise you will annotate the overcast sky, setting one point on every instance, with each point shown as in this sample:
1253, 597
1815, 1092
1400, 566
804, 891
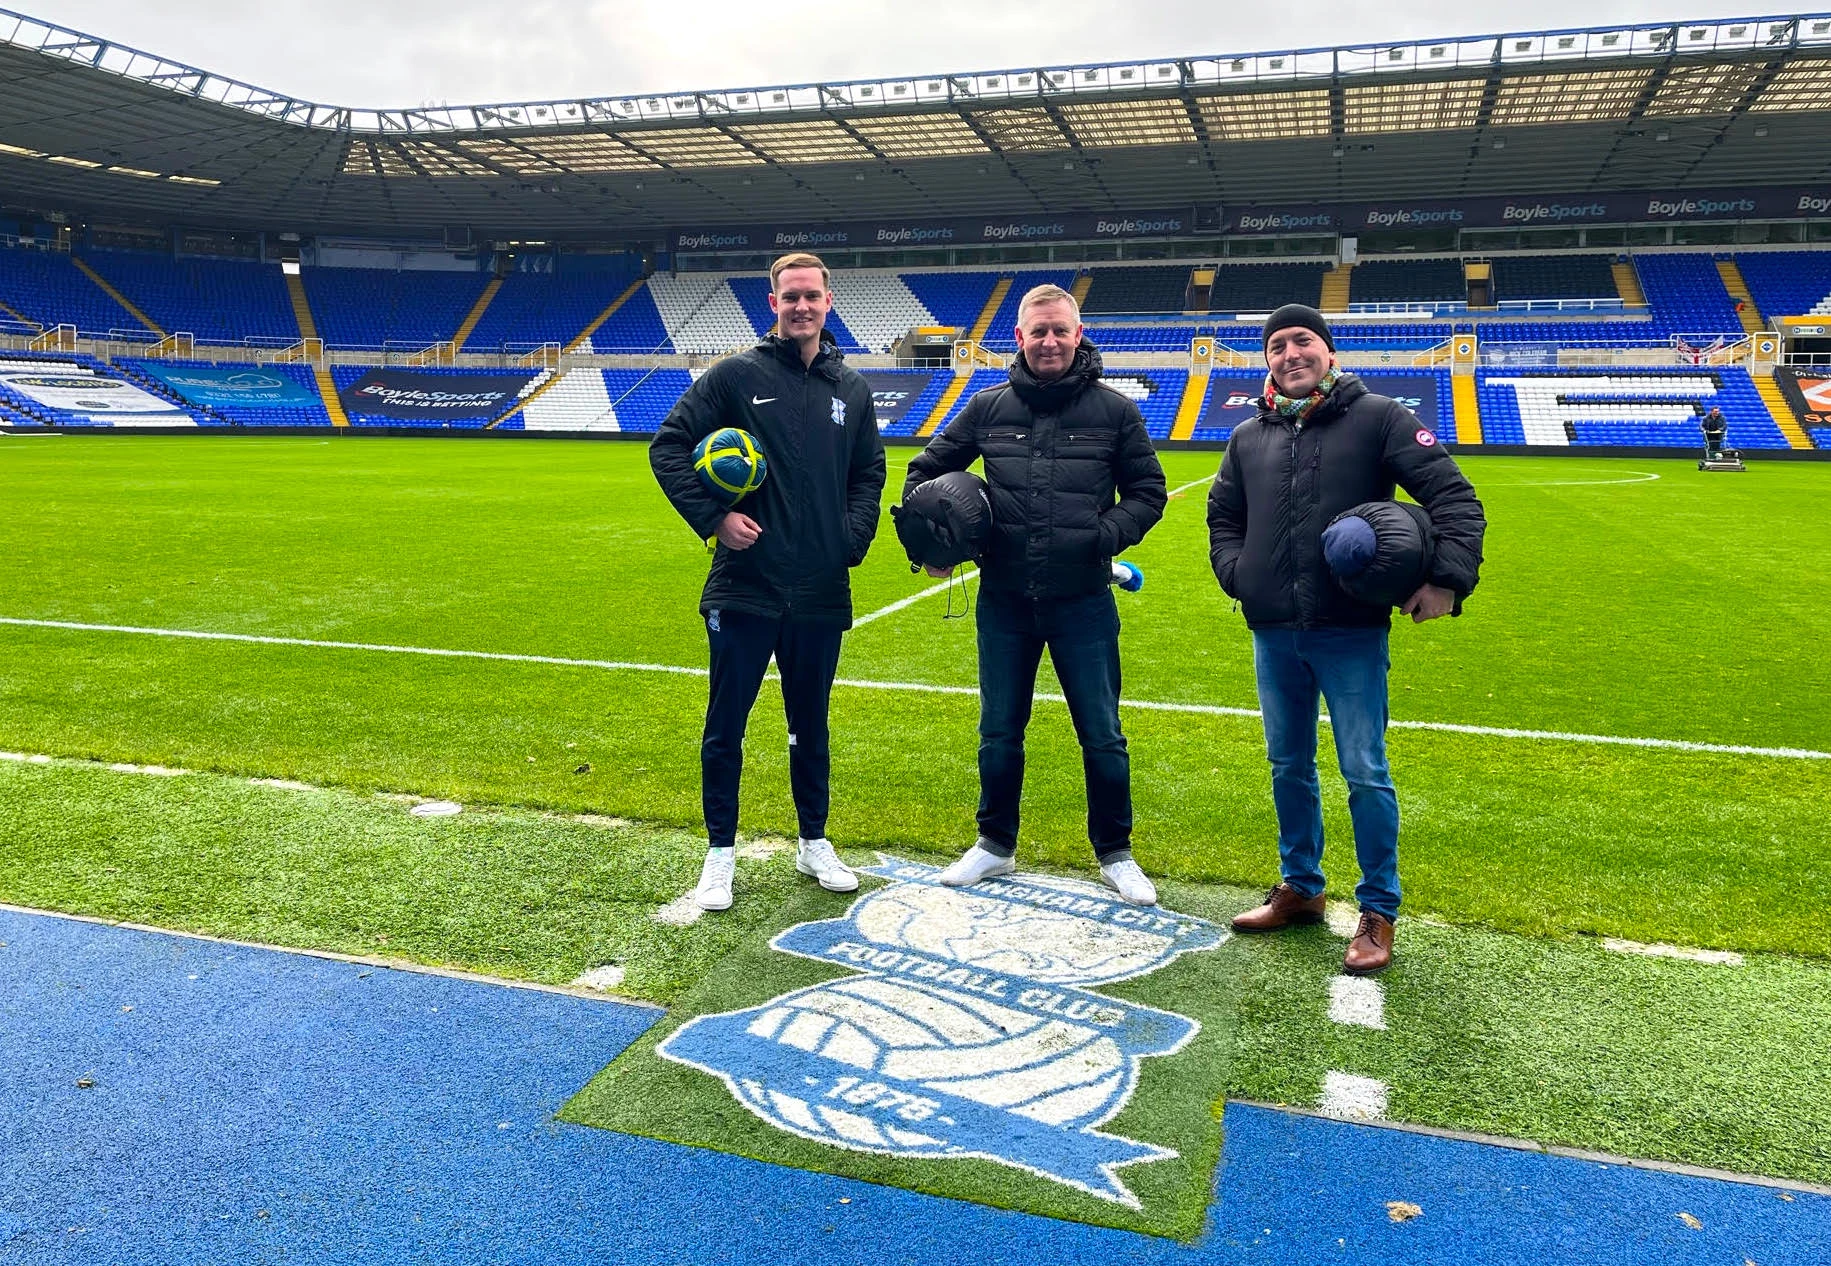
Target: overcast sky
386, 53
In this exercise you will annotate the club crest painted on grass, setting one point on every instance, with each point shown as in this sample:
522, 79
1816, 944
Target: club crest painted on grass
969, 1032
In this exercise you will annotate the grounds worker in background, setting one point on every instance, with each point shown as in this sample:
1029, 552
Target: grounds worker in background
1321, 444
1074, 481
779, 582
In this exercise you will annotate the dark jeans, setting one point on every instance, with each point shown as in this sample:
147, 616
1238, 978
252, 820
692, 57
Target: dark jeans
1082, 636
807, 655
1348, 668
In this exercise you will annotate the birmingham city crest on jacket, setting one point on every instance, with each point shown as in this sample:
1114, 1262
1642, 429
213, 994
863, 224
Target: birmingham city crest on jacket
968, 1031
839, 411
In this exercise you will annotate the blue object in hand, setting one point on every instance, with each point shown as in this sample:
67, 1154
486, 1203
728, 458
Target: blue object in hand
1127, 576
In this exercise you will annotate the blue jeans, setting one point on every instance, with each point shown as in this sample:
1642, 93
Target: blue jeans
1348, 668
1082, 636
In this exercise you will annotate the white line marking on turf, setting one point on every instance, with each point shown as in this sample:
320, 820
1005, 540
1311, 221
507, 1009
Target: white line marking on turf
681, 912
1342, 918
1357, 1000
1193, 483
1720, 958
609, 976
1199, 709
284, 784
1351, 1098
157, 771
1640, 477
912, 599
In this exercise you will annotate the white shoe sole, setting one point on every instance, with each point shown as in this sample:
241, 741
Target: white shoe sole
1130, 901
848, 884
1008, 868
706, 902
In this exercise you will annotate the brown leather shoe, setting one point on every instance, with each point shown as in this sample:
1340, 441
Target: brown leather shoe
1284, 906
1371, 949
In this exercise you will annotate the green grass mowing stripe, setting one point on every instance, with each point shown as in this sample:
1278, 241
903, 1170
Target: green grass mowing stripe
1607, 609
1561, 1042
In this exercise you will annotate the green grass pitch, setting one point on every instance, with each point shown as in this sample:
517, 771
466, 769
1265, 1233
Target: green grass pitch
1632, 599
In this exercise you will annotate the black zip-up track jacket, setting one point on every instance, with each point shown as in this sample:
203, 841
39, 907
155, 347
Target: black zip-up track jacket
1282, 482
1073, 477
822, 494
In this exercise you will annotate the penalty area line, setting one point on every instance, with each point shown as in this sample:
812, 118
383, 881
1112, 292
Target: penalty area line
1148, 705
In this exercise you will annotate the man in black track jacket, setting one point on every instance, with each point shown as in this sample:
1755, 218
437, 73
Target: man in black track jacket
1074, 482
1321, 444
779, 583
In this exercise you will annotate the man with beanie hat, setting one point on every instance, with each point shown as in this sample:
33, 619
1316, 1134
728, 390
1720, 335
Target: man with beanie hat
1321, 444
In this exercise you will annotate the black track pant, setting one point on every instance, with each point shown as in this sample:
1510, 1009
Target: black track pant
807, 656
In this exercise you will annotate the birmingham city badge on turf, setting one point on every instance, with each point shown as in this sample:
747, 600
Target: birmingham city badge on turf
729, 465
970, 1029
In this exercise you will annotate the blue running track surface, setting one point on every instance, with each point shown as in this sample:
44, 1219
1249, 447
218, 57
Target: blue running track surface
252, 1105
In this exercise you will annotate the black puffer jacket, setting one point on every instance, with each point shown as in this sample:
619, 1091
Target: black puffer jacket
820, 500
1073, 475
1281, 483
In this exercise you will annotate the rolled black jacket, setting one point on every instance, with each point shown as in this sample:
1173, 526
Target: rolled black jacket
1282, 482
820, 499
1073, 476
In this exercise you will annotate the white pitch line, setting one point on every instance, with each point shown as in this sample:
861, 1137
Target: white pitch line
913, 598
1192, 484
1197, 709
1351, 1098
1357, 1000
1719, 958
681, 912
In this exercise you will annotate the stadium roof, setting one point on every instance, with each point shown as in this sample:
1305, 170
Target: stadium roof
107, 132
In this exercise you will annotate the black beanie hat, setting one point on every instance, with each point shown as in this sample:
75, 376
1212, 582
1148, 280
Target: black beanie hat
1297, 314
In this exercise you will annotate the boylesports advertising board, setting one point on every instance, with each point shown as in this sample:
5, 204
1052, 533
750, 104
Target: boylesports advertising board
431, 399
1232, 401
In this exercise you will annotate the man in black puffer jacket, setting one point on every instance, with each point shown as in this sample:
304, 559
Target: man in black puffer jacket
1074, 482
778, 584
1321, 444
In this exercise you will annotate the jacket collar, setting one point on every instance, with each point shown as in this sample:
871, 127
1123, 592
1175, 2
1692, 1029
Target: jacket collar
1083, 371
1348, 389
827, 363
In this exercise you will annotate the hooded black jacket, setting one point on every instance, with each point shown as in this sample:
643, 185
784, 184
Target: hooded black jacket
820, 499
1074, 478
1281, 483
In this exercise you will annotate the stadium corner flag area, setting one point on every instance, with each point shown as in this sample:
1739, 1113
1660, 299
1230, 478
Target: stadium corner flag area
362, 735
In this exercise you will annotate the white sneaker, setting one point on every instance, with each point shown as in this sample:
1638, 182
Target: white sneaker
978, 862
817, 858
714, 891
1133, 884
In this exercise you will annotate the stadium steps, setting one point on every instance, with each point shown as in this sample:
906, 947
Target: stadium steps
1627, 284
476, 314
1082, 285
1467, 411
1746, 311
116, 295
955, 390
1189, 409
548, 379
1335, 288
610, 311
993, 302
308, 328
16, 315
1777, 405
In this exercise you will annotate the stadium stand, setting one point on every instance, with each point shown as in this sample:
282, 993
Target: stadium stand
878, 307
1000, 335
1686, 295
216, 300
536, 308
1140, 338
1550, 277
309, 415
955, 298
701, 312
602, 400
1409, 281
76, 369
1637, 408
46, 287
380, 307
1263, 287
1141, 289
753, 296
923, 404
1788, 283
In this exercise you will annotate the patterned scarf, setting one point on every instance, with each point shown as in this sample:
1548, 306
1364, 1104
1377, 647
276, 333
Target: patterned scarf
1299, 410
